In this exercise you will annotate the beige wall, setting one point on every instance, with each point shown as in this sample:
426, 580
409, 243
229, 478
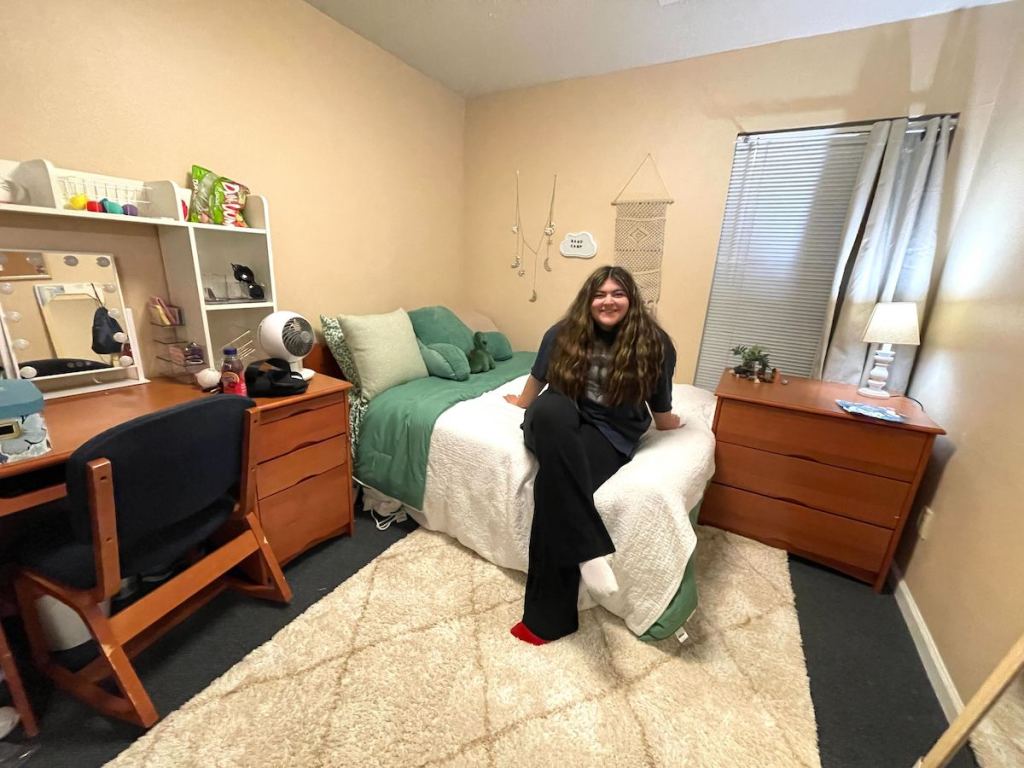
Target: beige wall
359, 155
967, 575
594, 132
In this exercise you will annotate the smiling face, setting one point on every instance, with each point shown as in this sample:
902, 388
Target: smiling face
609, 304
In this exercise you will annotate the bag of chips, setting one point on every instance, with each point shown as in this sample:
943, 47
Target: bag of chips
216, 199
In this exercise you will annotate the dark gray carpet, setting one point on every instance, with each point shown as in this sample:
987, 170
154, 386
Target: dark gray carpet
872, 699
874, 705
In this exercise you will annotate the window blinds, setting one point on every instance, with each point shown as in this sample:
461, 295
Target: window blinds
779, 246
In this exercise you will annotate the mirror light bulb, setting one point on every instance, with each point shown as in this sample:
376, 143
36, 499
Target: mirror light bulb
14, 315
6, 288
27, 372
21, 344
109, 287
71, 261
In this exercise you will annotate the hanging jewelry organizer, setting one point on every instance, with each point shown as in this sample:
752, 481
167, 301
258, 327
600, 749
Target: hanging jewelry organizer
640, 210
522, 245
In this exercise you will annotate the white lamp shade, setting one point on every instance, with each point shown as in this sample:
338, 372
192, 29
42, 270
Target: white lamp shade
893, 323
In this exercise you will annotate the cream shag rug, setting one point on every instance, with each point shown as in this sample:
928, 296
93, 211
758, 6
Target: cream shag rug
410, 663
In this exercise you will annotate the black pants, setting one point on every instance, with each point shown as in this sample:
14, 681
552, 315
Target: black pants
575, 460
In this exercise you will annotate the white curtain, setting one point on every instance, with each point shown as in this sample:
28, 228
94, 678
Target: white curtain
890, 256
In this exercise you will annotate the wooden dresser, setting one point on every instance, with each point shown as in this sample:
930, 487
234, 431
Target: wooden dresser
299, 466
793, 470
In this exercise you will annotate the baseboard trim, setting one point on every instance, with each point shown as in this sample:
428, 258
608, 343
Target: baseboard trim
938, 675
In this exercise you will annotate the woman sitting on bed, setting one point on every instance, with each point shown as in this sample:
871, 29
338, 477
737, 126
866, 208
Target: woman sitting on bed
605, 363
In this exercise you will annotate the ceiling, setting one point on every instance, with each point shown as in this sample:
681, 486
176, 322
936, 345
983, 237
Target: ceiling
481, 46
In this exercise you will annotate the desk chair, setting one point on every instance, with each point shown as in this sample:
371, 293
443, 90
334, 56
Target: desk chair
142, 495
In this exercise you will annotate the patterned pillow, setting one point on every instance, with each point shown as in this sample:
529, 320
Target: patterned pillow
335, 339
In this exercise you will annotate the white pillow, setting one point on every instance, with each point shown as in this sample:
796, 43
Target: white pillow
384, 350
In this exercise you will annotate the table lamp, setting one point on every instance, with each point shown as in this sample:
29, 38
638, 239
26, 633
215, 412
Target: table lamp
890, 323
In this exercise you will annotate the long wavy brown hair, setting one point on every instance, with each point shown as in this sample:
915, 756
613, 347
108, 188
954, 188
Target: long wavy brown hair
637, 355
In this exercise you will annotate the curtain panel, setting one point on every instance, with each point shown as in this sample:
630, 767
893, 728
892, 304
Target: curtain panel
888, 245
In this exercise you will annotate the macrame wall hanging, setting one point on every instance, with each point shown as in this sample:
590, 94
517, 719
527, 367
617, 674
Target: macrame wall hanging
640, 209
522, 245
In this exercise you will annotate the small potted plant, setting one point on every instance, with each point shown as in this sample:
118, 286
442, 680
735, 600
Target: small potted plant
753, 363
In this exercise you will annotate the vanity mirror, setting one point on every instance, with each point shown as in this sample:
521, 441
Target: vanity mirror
64, 321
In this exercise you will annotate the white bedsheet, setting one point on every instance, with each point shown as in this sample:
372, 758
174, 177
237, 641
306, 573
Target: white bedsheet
479, 490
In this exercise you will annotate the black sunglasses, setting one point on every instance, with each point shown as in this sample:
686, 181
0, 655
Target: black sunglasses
245, 276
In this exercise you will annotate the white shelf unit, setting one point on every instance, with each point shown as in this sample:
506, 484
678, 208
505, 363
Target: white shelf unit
189, 250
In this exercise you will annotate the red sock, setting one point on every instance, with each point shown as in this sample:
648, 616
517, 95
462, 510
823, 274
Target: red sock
523, 632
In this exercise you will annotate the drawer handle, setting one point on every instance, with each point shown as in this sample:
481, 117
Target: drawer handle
307, 443
792, 501
805, 458
302, 479
300, 413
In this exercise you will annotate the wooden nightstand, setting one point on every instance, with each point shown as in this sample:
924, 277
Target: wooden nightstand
299, 467
793, 470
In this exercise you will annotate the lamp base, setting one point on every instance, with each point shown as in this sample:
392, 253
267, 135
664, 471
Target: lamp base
869, 392
879, 375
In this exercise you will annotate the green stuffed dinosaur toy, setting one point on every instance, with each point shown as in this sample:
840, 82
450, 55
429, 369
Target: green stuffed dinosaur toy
480, 359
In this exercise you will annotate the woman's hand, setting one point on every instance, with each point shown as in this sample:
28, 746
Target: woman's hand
667, 420
529, 394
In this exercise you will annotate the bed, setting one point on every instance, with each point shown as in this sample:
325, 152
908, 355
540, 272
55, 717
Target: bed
452, 454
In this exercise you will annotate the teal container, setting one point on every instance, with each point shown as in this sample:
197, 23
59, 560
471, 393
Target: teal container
23, 432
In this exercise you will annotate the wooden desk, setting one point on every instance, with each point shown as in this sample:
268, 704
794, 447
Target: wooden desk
794, 470
73, 420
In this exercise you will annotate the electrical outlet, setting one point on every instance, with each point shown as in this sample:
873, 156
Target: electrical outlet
924, 522
578, 245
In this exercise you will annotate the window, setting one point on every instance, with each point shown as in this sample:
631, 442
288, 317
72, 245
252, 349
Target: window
784, 218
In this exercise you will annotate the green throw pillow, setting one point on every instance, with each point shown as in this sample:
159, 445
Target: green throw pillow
498, 345
342, 354
384, 350
446, 361
439, 325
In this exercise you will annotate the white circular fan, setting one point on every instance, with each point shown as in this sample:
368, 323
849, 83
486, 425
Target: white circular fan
288, 336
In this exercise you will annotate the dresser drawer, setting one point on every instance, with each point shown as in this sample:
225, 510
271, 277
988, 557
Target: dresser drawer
312, 424
283, 472
312, 511
874, 448
848, 545
864, 497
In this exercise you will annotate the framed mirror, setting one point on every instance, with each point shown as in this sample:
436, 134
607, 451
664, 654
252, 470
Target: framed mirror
64, 320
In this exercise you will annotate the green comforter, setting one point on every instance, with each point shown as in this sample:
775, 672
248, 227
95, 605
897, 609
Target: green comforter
394, 438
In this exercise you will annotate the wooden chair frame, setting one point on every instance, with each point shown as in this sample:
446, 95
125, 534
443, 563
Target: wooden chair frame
126, 633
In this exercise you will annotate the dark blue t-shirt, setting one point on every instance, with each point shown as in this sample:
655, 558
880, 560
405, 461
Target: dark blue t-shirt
623, 425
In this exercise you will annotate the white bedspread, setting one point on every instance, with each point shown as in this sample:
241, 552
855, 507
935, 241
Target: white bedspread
480, 490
